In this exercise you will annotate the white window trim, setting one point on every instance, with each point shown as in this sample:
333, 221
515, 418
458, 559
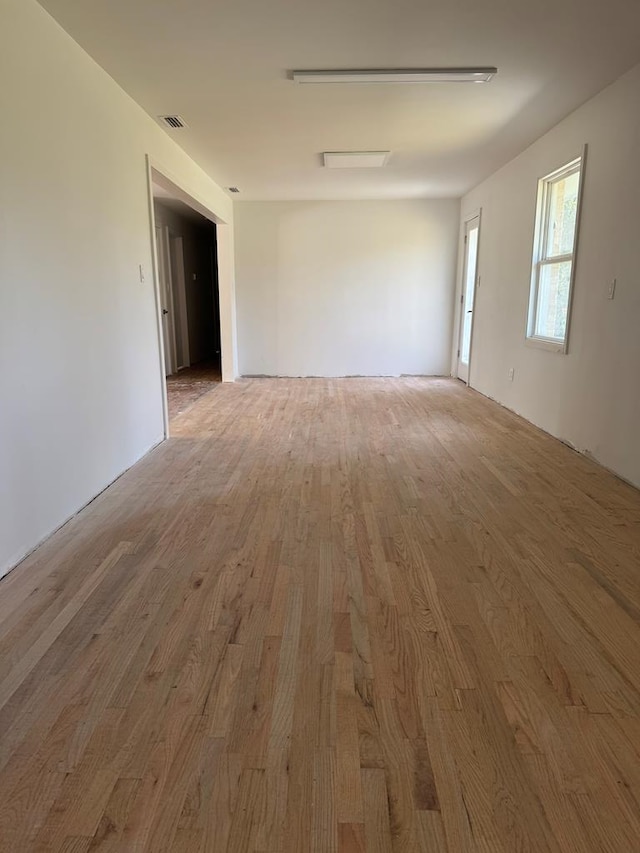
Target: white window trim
543, 200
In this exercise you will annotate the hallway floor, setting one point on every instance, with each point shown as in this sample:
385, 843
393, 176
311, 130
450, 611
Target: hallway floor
331, 615
187, 386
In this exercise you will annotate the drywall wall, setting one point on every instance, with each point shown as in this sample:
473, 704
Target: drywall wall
337, 288
80, 385
591, 396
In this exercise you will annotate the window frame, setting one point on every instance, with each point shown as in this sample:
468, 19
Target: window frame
540, 258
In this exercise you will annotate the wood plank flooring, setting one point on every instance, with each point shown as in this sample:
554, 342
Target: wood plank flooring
187, 386
331, 615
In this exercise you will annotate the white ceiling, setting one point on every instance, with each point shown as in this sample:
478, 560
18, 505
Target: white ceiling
223, 67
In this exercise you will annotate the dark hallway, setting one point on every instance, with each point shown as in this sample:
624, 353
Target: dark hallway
188, 267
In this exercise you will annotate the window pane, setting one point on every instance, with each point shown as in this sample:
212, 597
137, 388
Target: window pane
563, 206
553, 300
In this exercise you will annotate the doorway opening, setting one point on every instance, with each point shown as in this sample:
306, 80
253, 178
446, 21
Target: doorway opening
187, 265
467, 297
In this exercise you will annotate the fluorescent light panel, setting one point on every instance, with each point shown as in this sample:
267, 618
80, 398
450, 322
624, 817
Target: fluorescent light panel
397, 75
355, 159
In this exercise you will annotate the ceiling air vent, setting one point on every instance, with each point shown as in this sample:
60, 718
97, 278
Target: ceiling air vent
173, 121
234, 190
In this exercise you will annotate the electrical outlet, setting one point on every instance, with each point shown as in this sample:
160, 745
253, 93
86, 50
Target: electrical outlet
141, 268
511, 374
611, 292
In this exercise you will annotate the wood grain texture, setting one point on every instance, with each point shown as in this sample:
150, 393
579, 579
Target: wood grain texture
334, 616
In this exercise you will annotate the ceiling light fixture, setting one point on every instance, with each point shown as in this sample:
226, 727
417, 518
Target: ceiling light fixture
397, 75
355, 159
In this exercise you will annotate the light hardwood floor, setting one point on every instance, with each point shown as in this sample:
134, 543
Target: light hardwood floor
331, 615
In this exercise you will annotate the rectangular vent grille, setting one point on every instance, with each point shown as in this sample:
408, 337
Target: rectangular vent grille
234, 190
173, 121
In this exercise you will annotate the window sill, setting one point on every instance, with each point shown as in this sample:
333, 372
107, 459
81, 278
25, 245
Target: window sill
544, 343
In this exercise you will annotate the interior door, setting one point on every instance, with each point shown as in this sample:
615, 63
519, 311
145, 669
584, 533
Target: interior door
179, 292
469, 279
166, 299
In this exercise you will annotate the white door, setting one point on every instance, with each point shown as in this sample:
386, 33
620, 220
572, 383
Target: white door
179, 291
469, 278
166, 300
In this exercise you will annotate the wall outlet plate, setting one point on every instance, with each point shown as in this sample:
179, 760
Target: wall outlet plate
511, 374
612, 289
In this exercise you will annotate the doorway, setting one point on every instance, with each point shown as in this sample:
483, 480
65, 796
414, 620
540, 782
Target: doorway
467, 298
186, 245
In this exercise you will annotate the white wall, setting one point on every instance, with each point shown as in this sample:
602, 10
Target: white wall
80, 379
590, 397
345, 287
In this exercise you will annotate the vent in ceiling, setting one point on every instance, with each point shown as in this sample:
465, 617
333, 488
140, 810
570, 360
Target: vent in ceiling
173, 121
234, 190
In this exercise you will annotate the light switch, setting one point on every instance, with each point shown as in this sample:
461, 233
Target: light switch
612, 289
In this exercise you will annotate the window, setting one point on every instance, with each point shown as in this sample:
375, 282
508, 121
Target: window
554, 249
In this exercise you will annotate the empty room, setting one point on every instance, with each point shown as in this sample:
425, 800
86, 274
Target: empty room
319, 426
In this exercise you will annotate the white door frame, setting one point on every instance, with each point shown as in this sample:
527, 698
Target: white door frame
463, 371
